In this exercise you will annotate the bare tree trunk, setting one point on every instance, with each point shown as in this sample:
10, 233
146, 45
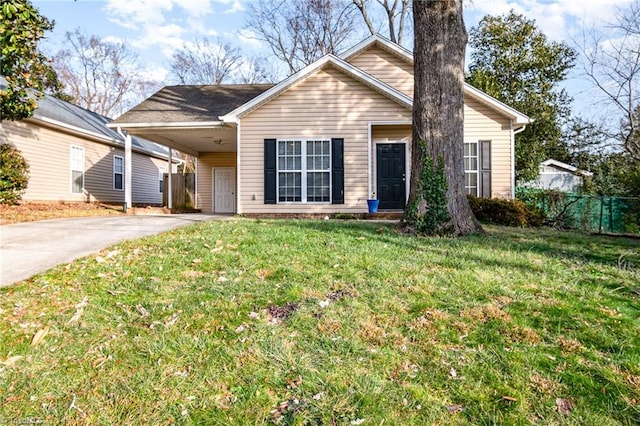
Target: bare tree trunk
438, 110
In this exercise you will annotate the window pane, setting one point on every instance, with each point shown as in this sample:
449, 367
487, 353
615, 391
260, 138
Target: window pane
118, 181
318, 187
473, 164
76, 182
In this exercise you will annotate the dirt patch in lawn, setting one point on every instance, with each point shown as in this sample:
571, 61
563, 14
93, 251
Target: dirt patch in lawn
28, 211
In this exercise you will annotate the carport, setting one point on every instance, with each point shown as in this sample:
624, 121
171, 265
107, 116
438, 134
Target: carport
186, 118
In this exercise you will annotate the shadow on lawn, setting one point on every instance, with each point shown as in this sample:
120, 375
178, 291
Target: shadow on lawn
620, 252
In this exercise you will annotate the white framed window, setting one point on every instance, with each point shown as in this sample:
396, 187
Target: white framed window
304, 171
471, 168
118, 172
77, 169
160, 179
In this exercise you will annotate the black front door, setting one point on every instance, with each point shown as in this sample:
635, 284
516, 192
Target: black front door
390, 166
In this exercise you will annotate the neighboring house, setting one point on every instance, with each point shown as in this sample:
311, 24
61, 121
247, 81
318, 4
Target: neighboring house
323, 140
73, 156
560, 176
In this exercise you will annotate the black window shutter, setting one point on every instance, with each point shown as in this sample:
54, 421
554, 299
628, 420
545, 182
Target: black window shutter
270, 171
337, 171
485, 169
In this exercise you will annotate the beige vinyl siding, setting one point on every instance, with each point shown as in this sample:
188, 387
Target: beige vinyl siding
480, 123
484, 123
48, 153
206, 163
328, 104
387, 68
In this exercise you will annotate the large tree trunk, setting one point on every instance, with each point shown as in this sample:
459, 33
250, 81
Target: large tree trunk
440, 39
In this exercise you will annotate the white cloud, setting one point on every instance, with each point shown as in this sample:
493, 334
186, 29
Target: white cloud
249, 39
155, 73
161, 24
162, 35
558, 19
235, 7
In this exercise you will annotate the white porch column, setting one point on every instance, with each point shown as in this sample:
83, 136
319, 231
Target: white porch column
127, 171
170, 189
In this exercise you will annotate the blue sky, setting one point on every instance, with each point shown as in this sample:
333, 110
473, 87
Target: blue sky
154, 29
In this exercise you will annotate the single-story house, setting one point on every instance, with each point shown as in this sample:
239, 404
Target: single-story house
74, 156
322, 141
560, 176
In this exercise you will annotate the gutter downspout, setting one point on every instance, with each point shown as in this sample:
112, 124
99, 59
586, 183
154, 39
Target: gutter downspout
127, 169
514, 132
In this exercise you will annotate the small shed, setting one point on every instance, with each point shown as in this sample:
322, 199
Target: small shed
560, 176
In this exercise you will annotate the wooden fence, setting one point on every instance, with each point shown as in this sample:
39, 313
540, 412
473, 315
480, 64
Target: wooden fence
183, 194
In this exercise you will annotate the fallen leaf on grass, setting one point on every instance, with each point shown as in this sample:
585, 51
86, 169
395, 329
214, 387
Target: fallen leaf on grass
11, 361
100, 259
142, 311
565, 405
171, 321
455, 408
79, 310
509, 398
241, 328
453, 373
39, 336
112, 254
294, 383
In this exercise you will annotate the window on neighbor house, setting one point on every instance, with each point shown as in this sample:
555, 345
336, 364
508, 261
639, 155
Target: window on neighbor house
304, 171
77, 169
118, 172
160, 179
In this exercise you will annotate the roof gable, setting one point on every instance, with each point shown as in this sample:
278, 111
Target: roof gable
564, 166
407, 56
327, 60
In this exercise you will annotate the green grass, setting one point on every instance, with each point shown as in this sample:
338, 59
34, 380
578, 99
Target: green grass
222, 323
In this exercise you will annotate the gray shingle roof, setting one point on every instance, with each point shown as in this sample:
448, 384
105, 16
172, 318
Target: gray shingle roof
67, 113
192, 103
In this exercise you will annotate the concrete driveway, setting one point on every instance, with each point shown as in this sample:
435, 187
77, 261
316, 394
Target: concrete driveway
29, 248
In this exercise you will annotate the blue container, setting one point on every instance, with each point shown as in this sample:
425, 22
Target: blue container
373, 205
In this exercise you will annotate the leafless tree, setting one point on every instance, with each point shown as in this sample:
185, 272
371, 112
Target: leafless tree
205, 62
299, 32
612, 63
101, 76
255, 71
437, 164
397, 17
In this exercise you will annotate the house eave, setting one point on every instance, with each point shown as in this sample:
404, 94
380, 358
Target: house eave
96, 137
168, 125
520, 119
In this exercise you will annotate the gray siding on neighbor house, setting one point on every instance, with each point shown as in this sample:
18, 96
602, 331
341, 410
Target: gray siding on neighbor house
47, 148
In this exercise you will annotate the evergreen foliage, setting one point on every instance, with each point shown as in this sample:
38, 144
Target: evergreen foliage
14, 174
513, 61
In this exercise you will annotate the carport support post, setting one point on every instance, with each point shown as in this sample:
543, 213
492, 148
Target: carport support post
170, 189
127, 170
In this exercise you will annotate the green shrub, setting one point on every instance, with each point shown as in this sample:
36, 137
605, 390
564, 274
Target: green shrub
506, 212
14, 174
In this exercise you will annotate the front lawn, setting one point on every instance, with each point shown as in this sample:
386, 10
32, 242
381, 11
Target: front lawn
327, 322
